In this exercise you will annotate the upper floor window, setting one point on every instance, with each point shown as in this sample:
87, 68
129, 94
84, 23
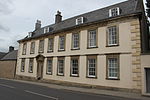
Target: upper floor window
60, 69
49, 66
79, 20
75, 40
92, 39
22, 65
29, 34
41, 46
32, 49
62, 43
31, 60
50, 44
91, 66
113, 66
46, 29
24, 49
113, 36
114, 12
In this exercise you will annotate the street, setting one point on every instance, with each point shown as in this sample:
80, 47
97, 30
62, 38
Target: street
13, 90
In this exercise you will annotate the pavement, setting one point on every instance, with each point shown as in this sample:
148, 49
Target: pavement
25, 90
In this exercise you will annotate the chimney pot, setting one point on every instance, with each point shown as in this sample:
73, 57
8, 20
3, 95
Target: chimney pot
37, 25
58, 17
11, 48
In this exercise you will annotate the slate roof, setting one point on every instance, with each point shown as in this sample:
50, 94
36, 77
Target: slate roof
2, 54
127, 8
11, 55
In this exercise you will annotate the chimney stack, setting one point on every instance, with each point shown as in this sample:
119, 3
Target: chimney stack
58, 17
37, 25
11, 48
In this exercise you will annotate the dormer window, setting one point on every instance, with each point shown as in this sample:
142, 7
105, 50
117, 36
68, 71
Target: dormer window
46, 29
114, 12
29, 34
79, 20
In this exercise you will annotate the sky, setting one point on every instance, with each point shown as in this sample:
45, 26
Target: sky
18, 17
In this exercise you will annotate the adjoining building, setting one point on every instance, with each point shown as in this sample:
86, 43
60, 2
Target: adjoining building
8, 64
101, 48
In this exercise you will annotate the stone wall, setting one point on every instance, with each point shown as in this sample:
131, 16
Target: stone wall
136, 52
7, 69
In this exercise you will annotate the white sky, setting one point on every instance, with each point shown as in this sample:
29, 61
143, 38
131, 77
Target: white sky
18, 17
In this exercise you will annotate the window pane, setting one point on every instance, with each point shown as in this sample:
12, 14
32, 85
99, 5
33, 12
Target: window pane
92, 38
92, 67
74, 66
50, 44
75, 40
41, 46
112, 35
31, 65
112, 67
60, 67
49, 66
23, 65
32, 47
62, 43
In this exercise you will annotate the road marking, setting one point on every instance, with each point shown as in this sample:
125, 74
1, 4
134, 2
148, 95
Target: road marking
7, 86
50, 97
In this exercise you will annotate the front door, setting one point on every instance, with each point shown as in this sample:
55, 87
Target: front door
40, 70
148, 80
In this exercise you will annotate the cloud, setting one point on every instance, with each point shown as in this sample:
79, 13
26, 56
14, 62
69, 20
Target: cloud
6, 6
4, 28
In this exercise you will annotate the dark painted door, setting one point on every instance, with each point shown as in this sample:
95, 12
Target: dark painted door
148, 80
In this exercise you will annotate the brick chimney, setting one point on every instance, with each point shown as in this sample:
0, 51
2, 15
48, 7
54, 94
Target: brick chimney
58, 17
11, 48
37, 25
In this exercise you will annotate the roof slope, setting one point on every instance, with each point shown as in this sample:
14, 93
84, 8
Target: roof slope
127, 8
11, 55
2, 54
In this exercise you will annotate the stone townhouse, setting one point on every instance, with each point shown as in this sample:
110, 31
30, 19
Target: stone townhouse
99, 49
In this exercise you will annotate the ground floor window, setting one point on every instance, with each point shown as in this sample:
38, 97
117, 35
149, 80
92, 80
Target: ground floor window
31, 60
91, 66
22, 65
49, 66
60, 69
74, 66
113, 66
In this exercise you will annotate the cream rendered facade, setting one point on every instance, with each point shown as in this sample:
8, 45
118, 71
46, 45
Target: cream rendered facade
128, 50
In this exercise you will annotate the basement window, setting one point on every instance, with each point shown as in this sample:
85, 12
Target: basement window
79, 20
114, 12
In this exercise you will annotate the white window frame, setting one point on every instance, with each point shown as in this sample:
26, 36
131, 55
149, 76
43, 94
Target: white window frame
60, 67
24, 48
41, 46
75, 41
113, 67
88, 66
32, 48
31, 64
49, 66
112, 36
46, 30
79, 20
61, 43
50, 44
92, 38
22, 65
74, 67
114, 12
29, 34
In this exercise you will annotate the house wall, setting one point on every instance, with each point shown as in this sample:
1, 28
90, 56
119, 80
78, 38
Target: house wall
7, 69
128, 49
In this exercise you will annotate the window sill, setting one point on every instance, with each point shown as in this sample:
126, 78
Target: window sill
92, 47
30, 72
92, 77
61, 50
41, 52
74, 75
60, 74
112, 45
48, 73
112, 79
75, 49
49, 51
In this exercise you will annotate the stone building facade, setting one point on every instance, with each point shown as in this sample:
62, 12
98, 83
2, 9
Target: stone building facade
101, 49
